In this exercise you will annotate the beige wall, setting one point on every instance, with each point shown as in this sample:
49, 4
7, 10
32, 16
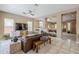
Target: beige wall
63, 25
17, 19
77, 21
77, 25
59, 27
51, 26
59, 19
46, 23
35, 24
73, 27
1, 27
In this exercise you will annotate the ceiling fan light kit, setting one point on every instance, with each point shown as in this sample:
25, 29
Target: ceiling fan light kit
32, 11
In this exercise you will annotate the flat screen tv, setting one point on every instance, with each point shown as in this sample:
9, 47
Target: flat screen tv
21, 26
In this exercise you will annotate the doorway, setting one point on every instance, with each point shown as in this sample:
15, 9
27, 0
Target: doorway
69, 26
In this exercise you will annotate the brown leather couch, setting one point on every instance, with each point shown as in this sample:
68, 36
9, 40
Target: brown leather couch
27, 44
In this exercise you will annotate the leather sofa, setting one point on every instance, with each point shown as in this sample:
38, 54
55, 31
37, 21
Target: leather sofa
27, 44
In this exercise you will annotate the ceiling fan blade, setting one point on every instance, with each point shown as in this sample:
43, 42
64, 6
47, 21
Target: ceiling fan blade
30, 11
32, 14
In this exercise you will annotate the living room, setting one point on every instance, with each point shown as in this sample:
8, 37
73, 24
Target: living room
37, 29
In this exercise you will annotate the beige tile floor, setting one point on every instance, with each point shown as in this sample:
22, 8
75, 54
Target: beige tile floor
58, 46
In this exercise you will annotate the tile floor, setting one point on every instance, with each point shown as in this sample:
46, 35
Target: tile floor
58, 46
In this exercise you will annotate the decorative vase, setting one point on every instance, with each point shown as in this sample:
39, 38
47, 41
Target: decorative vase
15, 39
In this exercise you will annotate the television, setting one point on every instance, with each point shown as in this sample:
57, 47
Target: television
21, 26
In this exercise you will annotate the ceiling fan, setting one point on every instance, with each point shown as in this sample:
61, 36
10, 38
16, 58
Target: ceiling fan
31, 12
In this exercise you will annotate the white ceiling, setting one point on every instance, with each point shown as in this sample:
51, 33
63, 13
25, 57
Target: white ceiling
41, 10
52, 19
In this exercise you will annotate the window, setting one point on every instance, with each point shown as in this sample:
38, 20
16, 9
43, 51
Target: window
8, 26
41, 24
55, 26
65, 26
68, 26
29, 26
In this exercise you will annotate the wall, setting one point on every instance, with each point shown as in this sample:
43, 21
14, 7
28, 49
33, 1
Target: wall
77, 25
59, 19
17, 19
35, 24
1, 27
73, 27
46, 23
64, 27
59, 26
51, 26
